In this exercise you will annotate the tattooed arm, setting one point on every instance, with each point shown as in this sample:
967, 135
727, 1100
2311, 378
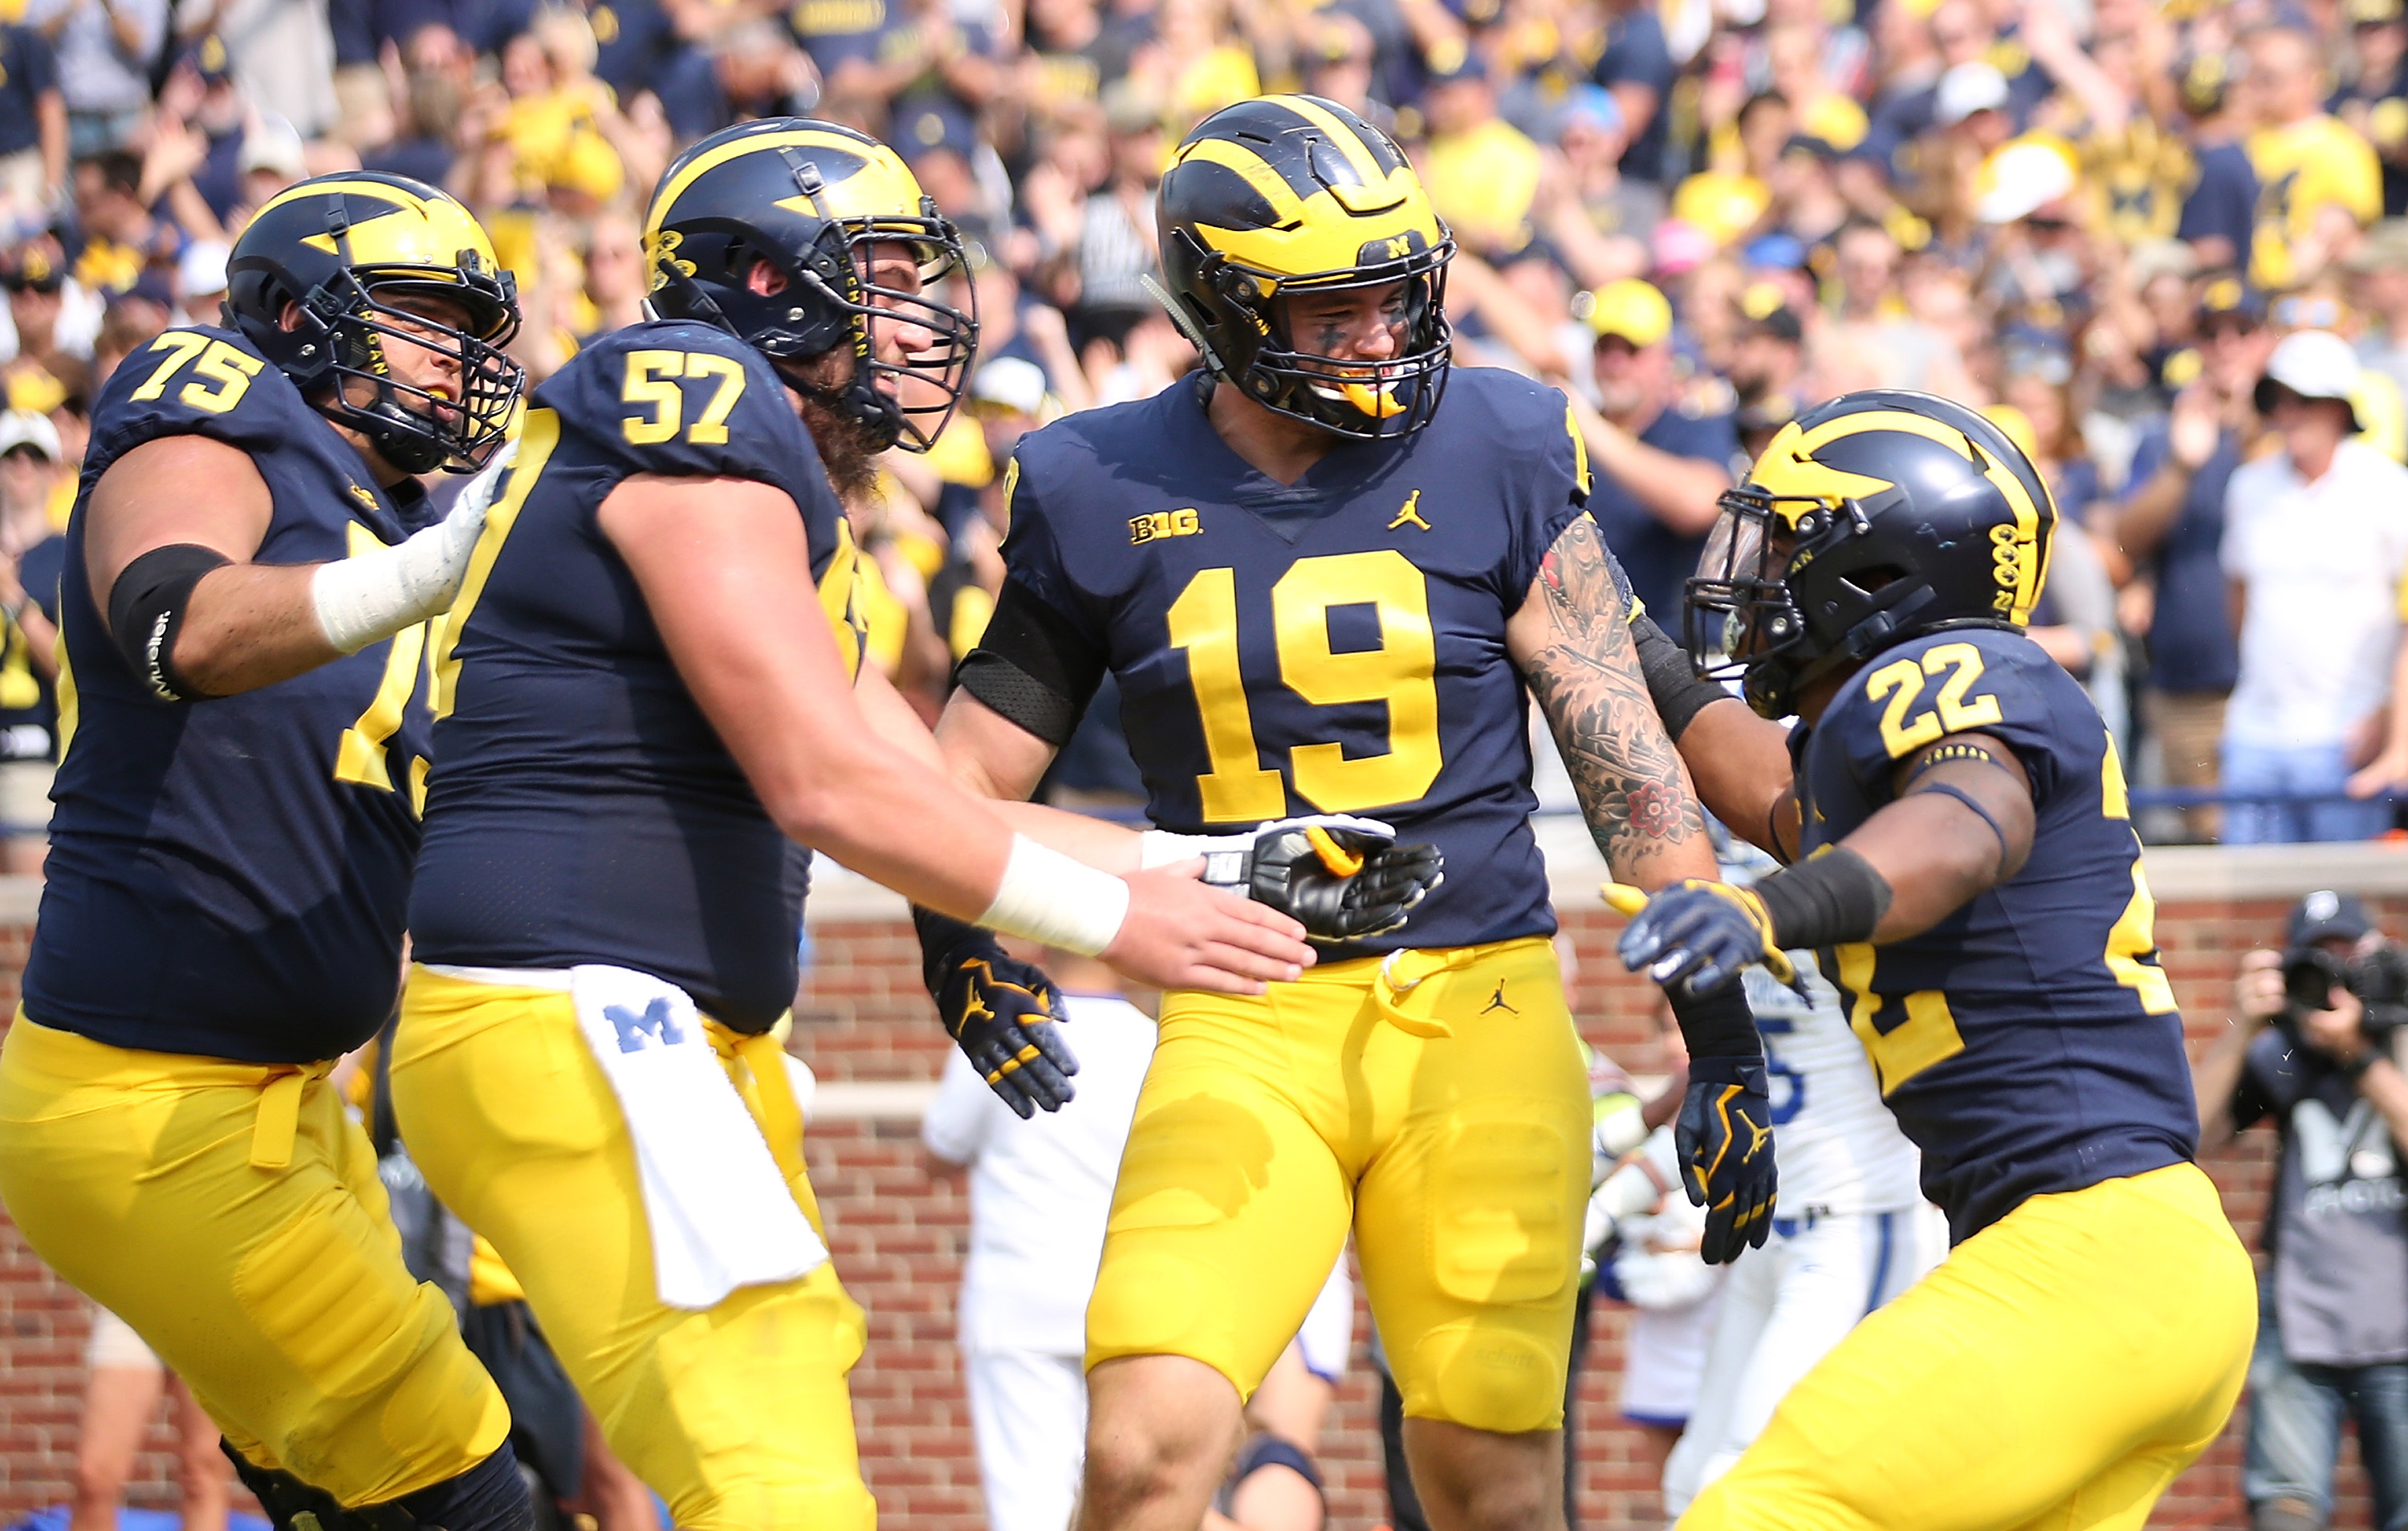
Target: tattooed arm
1571, 641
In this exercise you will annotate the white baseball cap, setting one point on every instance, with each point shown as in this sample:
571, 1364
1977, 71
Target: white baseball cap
1967, 88
2018, 180
202, 268
2315, 364
1012, 382
25, 428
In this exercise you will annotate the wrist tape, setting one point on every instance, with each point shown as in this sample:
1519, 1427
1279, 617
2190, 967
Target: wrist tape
1047, 896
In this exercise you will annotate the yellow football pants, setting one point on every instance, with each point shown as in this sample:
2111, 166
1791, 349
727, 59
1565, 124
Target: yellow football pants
2054, 1374
737, 1416
1438, 1102
231, 1213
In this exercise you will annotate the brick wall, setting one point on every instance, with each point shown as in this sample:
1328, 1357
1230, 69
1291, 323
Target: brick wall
898, 1235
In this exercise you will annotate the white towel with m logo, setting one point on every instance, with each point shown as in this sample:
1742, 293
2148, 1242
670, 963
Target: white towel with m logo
720, 1213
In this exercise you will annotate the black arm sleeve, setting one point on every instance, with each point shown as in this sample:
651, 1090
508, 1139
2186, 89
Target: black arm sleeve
1672, 682
146, 611
1033, 667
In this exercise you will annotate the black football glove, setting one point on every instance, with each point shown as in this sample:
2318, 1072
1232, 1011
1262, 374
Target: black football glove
1000, 1011
1725, 1137
1339, 877
1697, 935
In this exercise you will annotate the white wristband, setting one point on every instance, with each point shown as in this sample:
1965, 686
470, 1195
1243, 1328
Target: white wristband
362, 599
1047, 896
1160, 847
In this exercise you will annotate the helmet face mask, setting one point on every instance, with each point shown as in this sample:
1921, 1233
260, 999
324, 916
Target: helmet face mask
1283, 196
338, 255
828, 208
1874, 519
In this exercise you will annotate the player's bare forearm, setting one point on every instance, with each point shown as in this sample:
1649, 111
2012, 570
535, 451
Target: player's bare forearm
1740, 765
993, 758
1571, 640
1934, 850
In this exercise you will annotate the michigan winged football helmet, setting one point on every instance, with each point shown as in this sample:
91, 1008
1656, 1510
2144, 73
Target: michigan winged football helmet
1286, 193
336, 250
815, 200
1876, 518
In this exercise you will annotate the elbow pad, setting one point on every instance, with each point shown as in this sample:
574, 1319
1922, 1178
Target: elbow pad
146, 611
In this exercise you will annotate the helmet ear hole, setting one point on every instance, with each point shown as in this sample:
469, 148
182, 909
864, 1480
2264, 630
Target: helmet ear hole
1879, 577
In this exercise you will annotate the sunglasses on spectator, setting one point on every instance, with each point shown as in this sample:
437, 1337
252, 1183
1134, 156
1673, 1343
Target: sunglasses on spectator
2227, 327
18, 283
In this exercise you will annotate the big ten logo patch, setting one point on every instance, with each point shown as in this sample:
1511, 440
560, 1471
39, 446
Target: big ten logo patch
1157, 524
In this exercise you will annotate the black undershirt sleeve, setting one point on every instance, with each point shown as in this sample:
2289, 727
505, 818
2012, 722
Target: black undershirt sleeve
1033, 667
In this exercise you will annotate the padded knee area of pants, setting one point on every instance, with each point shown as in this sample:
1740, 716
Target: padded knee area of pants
1498, 1200
1479, 1375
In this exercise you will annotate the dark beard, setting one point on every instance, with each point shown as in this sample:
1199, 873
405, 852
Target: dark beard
849, 449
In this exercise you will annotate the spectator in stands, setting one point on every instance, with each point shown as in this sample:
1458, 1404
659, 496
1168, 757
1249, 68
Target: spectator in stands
2316, 542
32, 128
122, 1395
2332, 1339
1660, 458
1040, 1190
2171, 527
2327, 181
105, 50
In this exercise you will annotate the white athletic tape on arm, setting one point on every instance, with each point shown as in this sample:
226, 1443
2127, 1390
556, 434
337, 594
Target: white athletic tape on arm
1047, 896
373, 595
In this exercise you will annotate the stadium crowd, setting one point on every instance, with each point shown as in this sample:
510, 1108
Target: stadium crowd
2095, 221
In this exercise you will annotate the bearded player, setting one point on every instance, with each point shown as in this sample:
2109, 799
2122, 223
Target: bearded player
1327, 579
1960, 848
650, 701
244, 633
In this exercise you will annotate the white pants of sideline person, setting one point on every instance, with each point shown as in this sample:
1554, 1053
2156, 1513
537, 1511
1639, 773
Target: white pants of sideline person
1028, 1410
1782, 1309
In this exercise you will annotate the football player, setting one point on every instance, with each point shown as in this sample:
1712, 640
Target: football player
1326, 578
244, 636
649, 692
1960, 848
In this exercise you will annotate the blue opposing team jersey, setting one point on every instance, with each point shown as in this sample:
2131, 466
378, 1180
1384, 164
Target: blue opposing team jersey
1333, 646
2028, 1043
583, 810
227, 877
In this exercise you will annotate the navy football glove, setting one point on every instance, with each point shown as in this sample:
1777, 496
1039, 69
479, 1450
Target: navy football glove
1339, 877
1725, 1137
1000, 1011
1697, 935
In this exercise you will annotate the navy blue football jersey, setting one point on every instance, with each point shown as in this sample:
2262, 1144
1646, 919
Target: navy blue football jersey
1336, 645
2028, 1043
584, 810
227, 877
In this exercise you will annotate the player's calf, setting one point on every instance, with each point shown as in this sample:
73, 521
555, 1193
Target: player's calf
490, 1496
